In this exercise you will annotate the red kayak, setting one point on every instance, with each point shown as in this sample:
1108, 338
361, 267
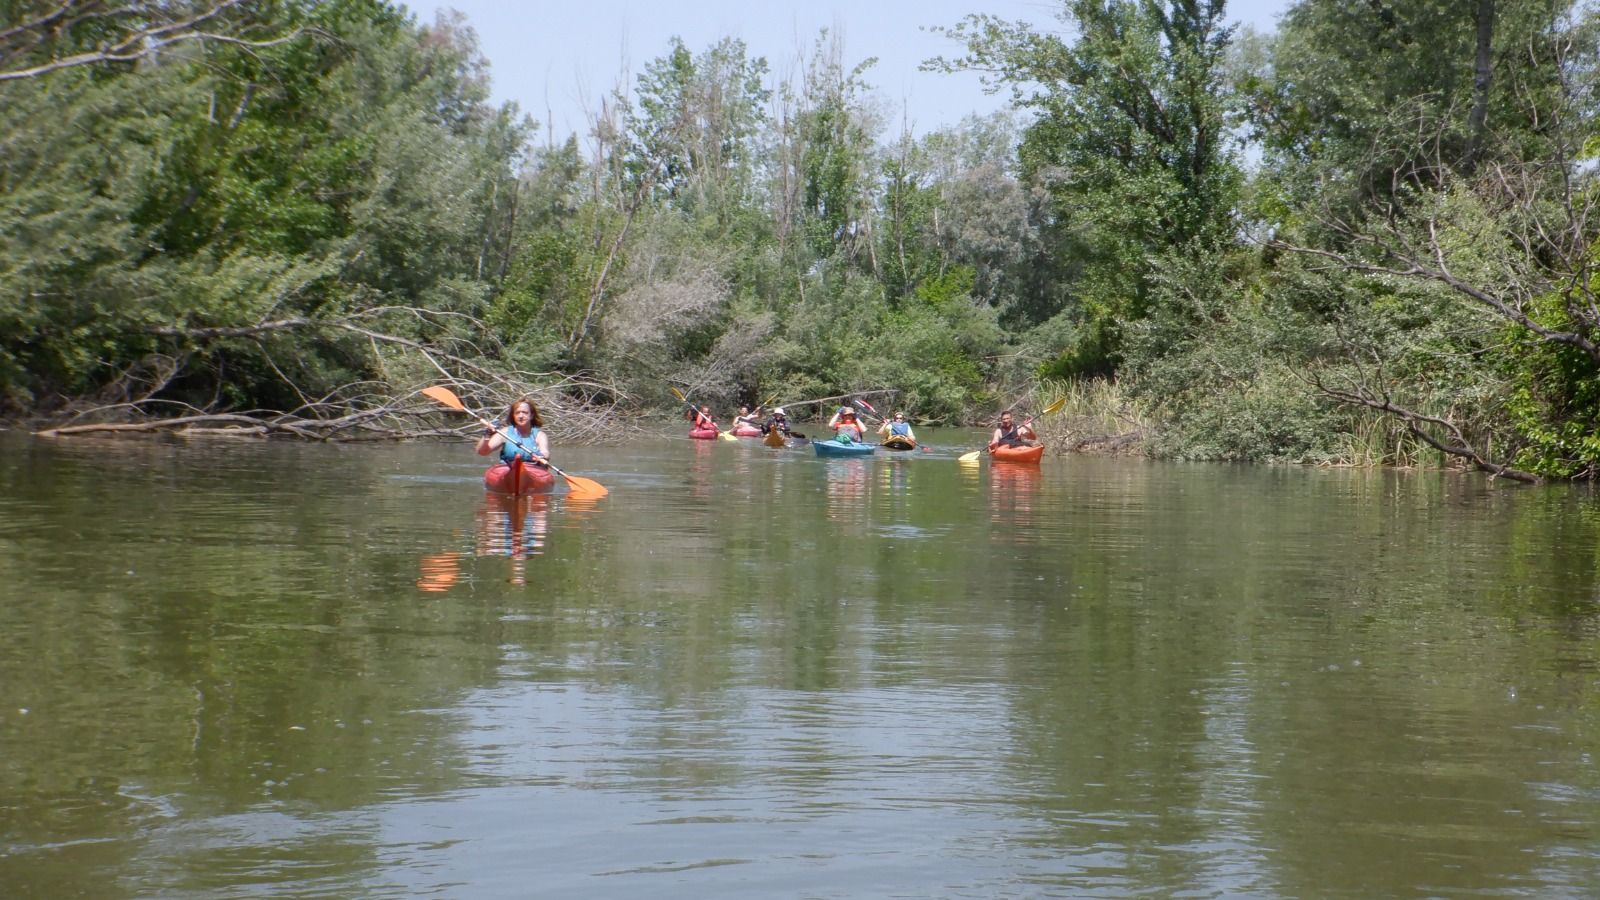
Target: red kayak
746, 431
1017, 454
703, 434
517, 477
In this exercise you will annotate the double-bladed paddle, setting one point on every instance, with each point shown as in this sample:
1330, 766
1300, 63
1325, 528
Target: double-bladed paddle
581, 487
866, 409
1052, 408
721, 435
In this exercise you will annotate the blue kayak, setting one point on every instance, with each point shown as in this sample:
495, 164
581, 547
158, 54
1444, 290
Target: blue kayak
834, 448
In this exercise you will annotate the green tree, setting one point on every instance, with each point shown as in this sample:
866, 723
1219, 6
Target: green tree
1131, 136
698, 122
1450, 189
825, 159
209, 226
1362, 101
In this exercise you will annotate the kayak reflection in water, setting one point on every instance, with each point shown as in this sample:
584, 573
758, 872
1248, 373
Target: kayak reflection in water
1013, 495
515, 527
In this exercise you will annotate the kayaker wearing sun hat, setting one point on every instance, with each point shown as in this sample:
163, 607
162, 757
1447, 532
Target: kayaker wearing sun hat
779, 422
845, 427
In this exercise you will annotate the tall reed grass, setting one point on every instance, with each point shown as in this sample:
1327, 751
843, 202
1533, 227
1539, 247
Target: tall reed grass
1098, 414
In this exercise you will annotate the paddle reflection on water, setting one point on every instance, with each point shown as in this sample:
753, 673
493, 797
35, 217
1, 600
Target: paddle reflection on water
438, 572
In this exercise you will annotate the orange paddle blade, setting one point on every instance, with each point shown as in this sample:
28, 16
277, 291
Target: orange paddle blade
585, 489
444, 395
582, 488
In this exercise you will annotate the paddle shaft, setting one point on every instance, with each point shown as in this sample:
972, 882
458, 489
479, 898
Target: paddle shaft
1026, 423
866, 412
585, 486
721, 435
518, 444
582, 484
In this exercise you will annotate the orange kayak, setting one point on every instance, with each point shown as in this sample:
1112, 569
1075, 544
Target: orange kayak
517, 477
1017, 454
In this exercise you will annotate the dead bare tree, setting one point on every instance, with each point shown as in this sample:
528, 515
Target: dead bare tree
51, 36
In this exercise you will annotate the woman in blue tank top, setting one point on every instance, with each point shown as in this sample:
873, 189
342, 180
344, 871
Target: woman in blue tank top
523, 438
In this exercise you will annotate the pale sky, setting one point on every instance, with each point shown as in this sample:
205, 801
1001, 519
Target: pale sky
558, 59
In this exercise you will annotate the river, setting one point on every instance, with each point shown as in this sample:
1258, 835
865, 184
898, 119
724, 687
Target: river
304, 670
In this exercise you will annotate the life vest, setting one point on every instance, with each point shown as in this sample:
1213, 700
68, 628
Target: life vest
901, 428
509, 450
1011, 438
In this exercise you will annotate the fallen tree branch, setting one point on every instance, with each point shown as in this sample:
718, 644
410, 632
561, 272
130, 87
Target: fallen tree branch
1437, 432
579, 408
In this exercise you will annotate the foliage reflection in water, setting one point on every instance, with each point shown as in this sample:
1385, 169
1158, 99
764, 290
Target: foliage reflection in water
299, 670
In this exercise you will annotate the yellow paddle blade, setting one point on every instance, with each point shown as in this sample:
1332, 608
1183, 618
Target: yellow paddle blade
969, 457
679, 394
1054, 407
726, 436
444, 395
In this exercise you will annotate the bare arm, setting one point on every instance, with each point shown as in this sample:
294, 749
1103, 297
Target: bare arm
490, 442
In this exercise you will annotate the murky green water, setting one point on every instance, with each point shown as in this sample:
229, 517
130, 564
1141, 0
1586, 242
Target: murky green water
241, 671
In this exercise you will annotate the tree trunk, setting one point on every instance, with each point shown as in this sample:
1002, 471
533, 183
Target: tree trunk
1483, 72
